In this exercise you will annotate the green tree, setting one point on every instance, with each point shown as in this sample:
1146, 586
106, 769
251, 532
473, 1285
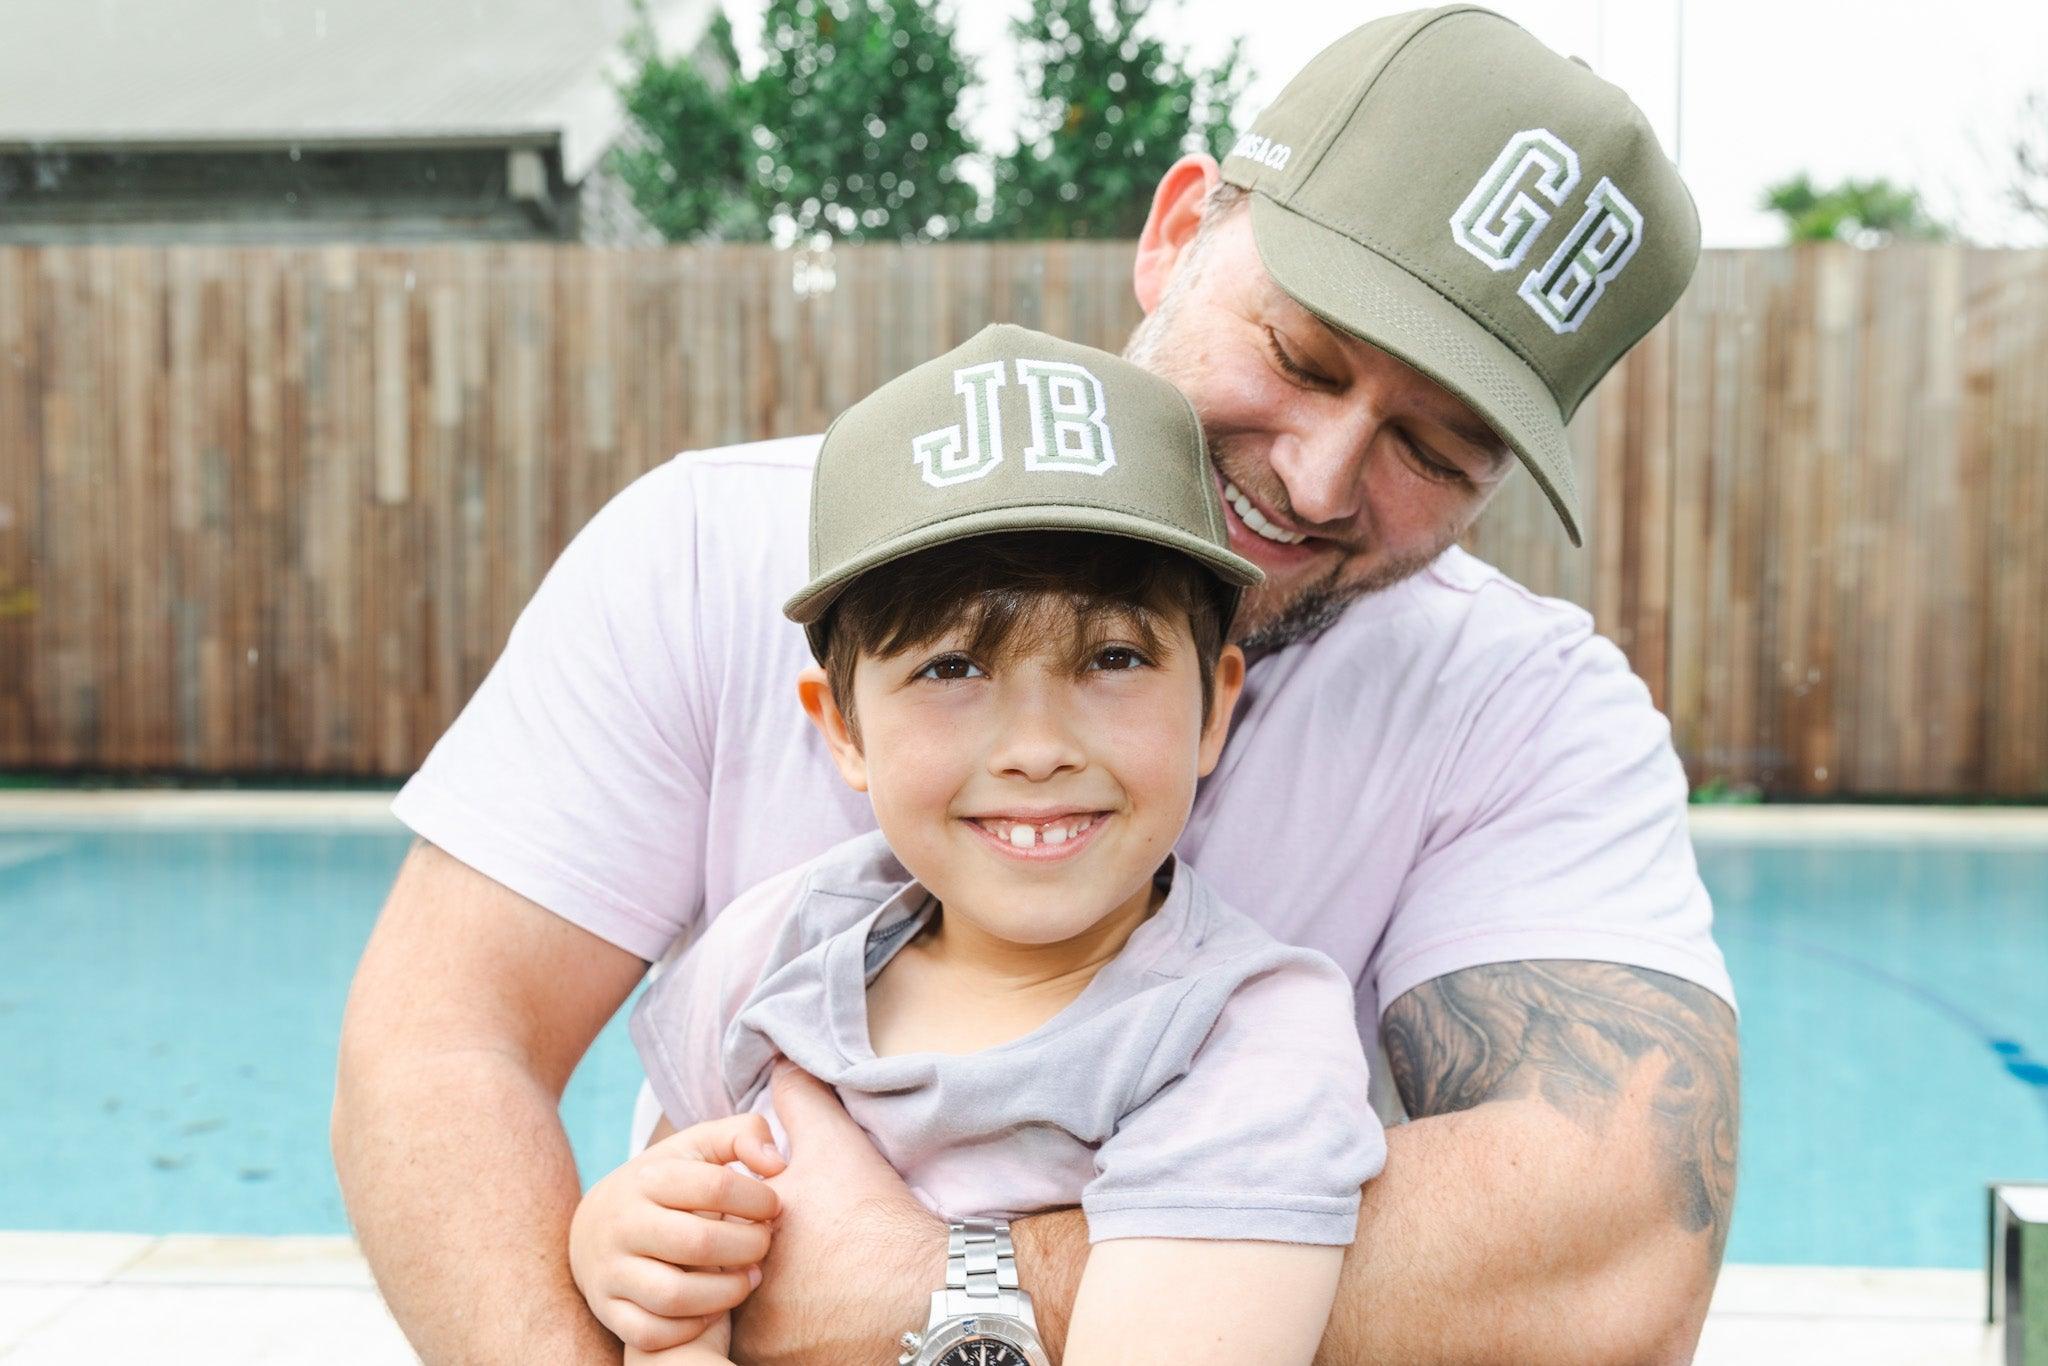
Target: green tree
687, 160
856, 112
1865, 212
1108, 109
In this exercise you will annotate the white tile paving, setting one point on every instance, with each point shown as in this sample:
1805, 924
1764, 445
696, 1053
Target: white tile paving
94, 1298
1780, 1315
216, 1325
26, 1309
74, 1299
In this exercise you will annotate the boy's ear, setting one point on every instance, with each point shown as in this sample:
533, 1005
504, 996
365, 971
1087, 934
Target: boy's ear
1229, 683
814, 690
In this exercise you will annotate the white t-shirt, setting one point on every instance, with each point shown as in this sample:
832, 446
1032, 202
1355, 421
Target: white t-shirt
1457, 772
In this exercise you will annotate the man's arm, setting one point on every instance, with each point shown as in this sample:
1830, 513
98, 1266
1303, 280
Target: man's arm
471, 1007
1562, 1190
1562, 1193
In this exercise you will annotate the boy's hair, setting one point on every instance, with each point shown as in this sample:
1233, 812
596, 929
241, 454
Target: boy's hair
997, 588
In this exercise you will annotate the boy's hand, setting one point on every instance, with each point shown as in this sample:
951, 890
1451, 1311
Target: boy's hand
662, 1246
710, 1349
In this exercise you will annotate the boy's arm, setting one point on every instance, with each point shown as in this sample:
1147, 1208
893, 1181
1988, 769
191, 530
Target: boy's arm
1195, 1302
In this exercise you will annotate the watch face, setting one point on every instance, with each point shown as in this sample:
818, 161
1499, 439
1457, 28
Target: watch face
983, 1352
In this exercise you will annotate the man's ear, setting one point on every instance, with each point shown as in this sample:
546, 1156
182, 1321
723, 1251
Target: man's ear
814, 690
1229, 683
1170, 227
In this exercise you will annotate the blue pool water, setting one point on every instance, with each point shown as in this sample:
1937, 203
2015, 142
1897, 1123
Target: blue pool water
170, 1001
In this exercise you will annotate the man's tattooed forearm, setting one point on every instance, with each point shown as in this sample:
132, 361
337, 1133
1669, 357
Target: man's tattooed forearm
1573, 1034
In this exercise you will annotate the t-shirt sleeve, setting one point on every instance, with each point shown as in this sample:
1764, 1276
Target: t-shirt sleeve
577, 774
678, 1026
1266, 1135
1558, 830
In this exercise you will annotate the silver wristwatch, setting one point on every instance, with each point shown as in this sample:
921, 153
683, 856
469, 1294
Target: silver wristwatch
981, 1318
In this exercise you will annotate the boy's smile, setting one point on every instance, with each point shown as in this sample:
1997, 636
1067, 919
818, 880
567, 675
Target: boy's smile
1040, 836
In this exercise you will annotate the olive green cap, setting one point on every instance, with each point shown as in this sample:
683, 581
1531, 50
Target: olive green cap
1445, 187
1012, 430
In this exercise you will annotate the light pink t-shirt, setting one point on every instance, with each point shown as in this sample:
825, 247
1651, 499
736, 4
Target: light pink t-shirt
1457, 772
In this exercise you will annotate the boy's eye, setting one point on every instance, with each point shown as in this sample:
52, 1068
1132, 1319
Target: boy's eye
948, 667
1118, 658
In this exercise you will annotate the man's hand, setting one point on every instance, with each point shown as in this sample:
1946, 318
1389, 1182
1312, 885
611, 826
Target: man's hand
855, 1257
672, 1238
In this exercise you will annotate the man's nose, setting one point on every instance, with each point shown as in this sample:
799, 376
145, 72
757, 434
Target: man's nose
1037, 740
1322, 467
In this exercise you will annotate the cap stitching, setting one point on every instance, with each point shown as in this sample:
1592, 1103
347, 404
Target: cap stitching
1337, 125
1102, 504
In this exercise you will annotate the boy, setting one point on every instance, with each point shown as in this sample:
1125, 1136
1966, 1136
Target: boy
1019, 597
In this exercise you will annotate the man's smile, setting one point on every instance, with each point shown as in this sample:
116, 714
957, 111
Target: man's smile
1262, 536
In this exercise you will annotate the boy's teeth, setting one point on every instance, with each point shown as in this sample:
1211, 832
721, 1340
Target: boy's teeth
1024, 836
1256, 520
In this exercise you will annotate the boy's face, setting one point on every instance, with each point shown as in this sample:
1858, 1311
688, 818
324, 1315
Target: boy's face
1038, 793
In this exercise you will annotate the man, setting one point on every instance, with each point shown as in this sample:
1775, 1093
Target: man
1399, 284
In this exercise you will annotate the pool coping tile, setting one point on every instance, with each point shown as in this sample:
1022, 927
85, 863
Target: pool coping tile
1759, 1289
63, 808
51, 1259
35, 809
1965, 825
189, 1259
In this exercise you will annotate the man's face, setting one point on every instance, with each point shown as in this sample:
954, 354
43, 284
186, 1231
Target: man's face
1343, 470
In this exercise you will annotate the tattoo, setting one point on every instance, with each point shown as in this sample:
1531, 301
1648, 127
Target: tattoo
1576, 1035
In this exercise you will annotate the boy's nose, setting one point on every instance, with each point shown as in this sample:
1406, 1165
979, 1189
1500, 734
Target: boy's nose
1035, 742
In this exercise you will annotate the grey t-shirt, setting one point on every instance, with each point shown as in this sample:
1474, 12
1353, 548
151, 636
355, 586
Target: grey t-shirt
1208, 1083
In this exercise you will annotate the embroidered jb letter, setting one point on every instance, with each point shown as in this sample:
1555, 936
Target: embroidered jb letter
1069, 424
1068, 430
952, 455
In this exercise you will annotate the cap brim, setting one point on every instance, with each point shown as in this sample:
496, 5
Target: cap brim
811, 603
1372, 297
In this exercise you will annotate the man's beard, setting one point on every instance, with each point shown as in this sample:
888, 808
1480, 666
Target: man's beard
1313, 609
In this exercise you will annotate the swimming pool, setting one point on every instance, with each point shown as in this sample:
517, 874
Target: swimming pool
170, 1000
